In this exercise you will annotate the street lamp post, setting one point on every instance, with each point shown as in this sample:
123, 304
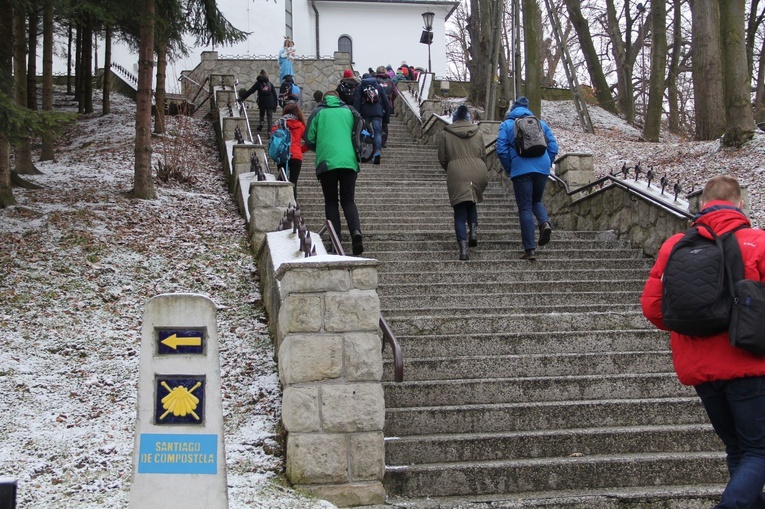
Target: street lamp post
427, 35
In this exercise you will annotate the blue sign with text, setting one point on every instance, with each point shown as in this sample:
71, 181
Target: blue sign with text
178, 454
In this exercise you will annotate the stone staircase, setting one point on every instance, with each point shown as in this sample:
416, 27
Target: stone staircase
526, 383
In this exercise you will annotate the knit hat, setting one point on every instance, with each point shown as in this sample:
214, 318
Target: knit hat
461, 113
380, 70
521, 102
388, 67
347, 73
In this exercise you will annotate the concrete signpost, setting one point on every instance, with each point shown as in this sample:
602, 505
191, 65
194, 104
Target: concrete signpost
178, 459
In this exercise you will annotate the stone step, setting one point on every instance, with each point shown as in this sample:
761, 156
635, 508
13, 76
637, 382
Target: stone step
613, 264
450, 448
537, 416
526, 389
521, 287
545, 255
496, 237
532, 365
585, 473
452, 323
515, 342
511, 276
699, 496
395, 304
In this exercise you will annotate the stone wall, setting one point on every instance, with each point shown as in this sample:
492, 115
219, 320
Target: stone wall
311, 74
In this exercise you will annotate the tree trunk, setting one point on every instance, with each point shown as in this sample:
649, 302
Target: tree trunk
674, 69
532, 55
47, 153
143, 187
22, 149
739, 125
78, 69
6, 87
591, 57
87, 65
753, 23
759, 96
709, 103
159, 95
625, 53
652, 127
32, 57
479, 26
69, 61
106, 107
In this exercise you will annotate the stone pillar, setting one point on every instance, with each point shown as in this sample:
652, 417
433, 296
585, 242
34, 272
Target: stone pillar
330, 365
576, 170
267, 203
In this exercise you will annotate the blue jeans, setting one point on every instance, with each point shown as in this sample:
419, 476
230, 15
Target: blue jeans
736, 409
377, 126
464, 212
528, 190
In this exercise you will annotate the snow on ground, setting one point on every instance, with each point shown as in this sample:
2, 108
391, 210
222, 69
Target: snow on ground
78, 262
79, 259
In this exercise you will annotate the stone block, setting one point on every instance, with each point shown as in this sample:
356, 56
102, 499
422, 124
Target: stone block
364, 278
347, 495
315, 458
300, 409
310, 358
300, 313
363, 357
264, 219
352, 407
316, 280
367, 455
356, 310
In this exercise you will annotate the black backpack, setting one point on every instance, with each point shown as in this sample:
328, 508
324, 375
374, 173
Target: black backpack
699, 281
369, 93
363, 138
530, 140
346, 91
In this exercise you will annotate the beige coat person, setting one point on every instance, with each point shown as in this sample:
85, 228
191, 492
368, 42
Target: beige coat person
461, 153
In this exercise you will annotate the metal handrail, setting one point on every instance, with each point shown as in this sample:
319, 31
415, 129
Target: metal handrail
387, 332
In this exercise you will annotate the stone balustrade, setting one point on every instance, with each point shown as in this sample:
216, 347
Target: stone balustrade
324, 317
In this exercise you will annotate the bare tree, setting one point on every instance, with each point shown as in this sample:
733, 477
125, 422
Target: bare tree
32, 56
22, 149
47, 85
143, 186
457, 45
673, 119
532, 55
106, 106
591, 57
739, 125
6, 90
479, 25
709, 104
652, 126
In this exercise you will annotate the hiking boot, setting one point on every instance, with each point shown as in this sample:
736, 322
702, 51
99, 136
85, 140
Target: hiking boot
529, 254
376, 159
260, 127
356, 244
544, 233
463, 250
473, 235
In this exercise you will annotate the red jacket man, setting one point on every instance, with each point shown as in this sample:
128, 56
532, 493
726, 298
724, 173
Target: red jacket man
729, 380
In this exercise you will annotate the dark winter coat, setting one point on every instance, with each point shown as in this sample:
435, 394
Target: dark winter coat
267, 96
370, 110
461, 154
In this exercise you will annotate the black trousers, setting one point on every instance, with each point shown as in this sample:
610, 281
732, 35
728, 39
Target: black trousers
346, 180
294, 166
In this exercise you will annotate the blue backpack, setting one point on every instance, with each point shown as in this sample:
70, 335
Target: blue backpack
279, 144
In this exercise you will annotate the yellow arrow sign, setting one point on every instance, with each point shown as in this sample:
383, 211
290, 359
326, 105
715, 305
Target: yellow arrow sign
174, 341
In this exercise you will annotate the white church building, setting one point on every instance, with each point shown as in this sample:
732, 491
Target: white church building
373, 32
